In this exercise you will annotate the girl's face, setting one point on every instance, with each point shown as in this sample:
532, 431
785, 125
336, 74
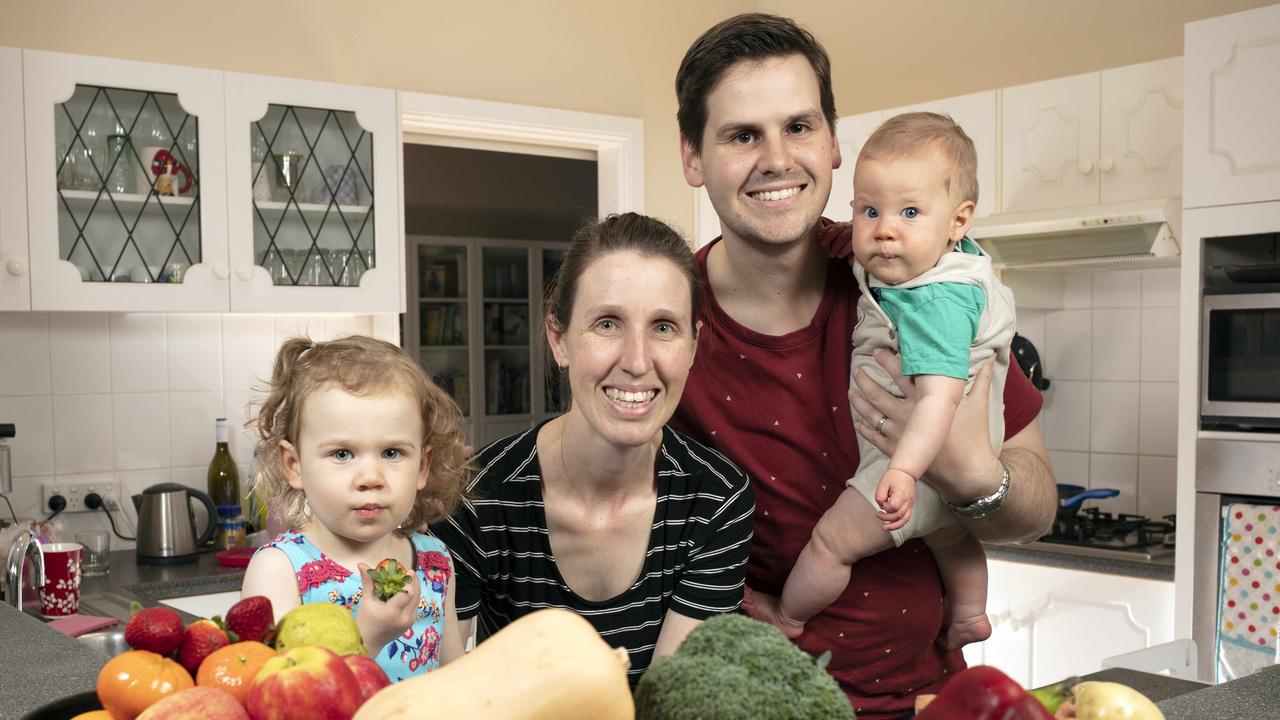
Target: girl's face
628, 346
359, 460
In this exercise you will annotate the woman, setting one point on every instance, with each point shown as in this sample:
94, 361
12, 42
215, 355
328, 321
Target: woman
604, 510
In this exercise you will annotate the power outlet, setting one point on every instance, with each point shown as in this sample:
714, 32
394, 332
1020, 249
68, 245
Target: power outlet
74, 494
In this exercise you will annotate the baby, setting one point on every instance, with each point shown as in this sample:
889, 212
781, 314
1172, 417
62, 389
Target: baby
929, 293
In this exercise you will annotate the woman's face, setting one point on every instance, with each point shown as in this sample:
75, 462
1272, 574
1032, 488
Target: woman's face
628, 346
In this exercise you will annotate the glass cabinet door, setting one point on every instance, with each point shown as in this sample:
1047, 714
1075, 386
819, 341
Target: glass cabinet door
443, 317
313, 187
126, 191
505, 277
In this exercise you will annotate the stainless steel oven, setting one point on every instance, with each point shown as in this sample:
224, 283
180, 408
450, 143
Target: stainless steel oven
1240, 361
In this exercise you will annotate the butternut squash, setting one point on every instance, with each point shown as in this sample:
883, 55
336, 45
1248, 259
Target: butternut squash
548, 665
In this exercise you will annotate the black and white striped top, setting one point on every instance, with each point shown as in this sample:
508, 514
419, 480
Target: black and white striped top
695, 564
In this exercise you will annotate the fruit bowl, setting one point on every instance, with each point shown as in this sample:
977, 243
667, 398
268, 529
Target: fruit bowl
66, 708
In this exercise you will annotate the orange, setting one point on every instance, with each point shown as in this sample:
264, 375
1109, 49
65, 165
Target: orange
232, 668
94, 715
132, 681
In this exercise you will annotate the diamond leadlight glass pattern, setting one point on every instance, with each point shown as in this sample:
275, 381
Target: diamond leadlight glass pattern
312, 196
128, 182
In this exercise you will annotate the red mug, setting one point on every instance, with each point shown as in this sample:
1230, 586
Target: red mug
60, 594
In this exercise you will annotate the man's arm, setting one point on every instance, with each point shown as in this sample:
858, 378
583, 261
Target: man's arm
966, 468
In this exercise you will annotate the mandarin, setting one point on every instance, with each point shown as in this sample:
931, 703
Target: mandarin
233, 667
132, 681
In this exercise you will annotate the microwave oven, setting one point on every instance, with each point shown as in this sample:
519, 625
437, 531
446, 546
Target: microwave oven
1240, 361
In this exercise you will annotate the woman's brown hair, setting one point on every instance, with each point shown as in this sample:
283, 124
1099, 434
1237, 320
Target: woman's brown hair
359, 365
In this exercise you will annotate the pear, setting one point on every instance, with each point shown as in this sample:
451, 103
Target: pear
323, 624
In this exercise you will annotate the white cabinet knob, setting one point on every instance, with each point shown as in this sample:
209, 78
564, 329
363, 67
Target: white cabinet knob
16, 266
1084, 166
244, 272
221, 272
1106, 164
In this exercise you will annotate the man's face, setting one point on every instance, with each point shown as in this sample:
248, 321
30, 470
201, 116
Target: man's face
767, 152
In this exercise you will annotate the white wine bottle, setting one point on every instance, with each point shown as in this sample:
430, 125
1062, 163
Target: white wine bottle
224, 478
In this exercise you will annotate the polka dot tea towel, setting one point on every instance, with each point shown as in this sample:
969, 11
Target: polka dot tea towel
1249, 606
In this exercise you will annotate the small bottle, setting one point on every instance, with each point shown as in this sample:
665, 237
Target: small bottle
224, 478
231, 531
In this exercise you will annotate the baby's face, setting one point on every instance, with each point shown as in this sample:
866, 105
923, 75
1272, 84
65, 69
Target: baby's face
903, 217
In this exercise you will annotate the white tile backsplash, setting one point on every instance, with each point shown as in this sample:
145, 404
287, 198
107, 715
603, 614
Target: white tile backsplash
141, 422
194, 352
80, 353
1159, 344
1113, 413
1109, 418
191, 422
138, 356
248, 349
32, 417
25, 339
82, 434
1114, 332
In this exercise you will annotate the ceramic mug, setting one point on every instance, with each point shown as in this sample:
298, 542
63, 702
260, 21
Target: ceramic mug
163, 173
60, 594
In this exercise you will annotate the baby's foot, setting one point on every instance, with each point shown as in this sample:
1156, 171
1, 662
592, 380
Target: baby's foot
768, 608
968, 630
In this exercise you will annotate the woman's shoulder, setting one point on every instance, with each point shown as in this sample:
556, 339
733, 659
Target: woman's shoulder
699, 460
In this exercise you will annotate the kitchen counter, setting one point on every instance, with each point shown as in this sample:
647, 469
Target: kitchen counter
38, 664
1046, 554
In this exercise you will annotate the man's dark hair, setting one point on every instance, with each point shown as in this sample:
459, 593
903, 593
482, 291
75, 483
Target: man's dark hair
751, 36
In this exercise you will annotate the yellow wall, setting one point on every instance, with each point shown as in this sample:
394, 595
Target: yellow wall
611, 56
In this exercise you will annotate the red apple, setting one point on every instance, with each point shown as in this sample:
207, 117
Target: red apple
306, 683
197, 703
369, 675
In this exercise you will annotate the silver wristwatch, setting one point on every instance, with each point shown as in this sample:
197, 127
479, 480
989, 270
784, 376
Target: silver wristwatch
984, 506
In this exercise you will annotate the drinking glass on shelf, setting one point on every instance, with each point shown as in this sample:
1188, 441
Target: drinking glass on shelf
274, 265
121, 176
78, 169
315, 274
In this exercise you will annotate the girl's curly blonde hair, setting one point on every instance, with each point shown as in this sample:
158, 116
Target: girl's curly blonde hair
360, 365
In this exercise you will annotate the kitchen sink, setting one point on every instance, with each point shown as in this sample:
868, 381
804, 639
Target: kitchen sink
109, 642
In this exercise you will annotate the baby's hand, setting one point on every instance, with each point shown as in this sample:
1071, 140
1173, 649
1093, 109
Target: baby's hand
837, 238
896, 495
381, 621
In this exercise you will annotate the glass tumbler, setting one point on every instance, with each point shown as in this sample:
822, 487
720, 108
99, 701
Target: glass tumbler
95, 560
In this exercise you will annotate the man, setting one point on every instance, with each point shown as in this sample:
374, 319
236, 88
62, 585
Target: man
768, 386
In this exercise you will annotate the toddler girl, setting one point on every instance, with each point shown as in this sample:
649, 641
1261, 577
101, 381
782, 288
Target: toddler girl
357, 447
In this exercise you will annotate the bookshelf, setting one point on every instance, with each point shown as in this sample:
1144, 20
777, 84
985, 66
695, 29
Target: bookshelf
474, 318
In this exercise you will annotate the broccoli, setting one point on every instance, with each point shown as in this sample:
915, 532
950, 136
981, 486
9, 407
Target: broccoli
733, 667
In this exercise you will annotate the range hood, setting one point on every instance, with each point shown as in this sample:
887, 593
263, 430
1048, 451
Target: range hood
1128, 234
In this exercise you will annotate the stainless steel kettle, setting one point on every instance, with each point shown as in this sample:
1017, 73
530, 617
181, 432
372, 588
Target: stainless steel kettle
167, 524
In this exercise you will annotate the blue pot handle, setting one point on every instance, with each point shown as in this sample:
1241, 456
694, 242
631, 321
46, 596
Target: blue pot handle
1095, 494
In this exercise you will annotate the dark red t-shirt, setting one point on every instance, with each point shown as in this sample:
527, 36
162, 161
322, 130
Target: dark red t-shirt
778, 407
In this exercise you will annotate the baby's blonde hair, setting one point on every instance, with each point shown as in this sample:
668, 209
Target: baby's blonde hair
359, 365
912, 135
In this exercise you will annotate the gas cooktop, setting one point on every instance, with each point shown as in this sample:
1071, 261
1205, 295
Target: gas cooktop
1094, 533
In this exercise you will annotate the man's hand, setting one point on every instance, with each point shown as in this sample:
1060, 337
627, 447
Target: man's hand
837, 237
896, 495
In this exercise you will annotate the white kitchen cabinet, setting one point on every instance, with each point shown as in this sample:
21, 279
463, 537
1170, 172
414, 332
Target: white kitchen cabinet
976, 114
15, 279
97, 248
1097, 137
1050, 623
128, 193
326, 238
1233, 102
475, 321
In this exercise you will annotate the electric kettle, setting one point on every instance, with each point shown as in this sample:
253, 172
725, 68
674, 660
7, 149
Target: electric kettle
167, 524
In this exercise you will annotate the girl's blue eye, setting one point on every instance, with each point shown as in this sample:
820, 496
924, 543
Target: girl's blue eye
391, 454
911, 213
871, 212
342, 454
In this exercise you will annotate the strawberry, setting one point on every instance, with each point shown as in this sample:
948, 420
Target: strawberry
157, 629
389, 578
200, 640
250, 618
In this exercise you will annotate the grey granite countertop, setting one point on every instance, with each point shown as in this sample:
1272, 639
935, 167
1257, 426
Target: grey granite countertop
39, 664
1255, 697
1161, 569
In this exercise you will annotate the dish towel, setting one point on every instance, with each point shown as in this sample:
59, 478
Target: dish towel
78, 625
1249, 603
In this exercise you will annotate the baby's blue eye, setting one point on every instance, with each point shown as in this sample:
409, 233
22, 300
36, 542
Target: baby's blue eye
391, 454
871, 212
911, 213
342, 454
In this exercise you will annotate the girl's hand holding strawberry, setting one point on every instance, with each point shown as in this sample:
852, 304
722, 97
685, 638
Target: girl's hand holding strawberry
381, 621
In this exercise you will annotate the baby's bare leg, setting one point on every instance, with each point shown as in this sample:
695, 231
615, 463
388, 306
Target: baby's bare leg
848, 531
963, 566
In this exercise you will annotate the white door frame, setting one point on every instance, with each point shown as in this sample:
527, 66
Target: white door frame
618, 142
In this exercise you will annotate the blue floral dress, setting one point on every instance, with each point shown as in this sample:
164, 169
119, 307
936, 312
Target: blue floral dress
323, 580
